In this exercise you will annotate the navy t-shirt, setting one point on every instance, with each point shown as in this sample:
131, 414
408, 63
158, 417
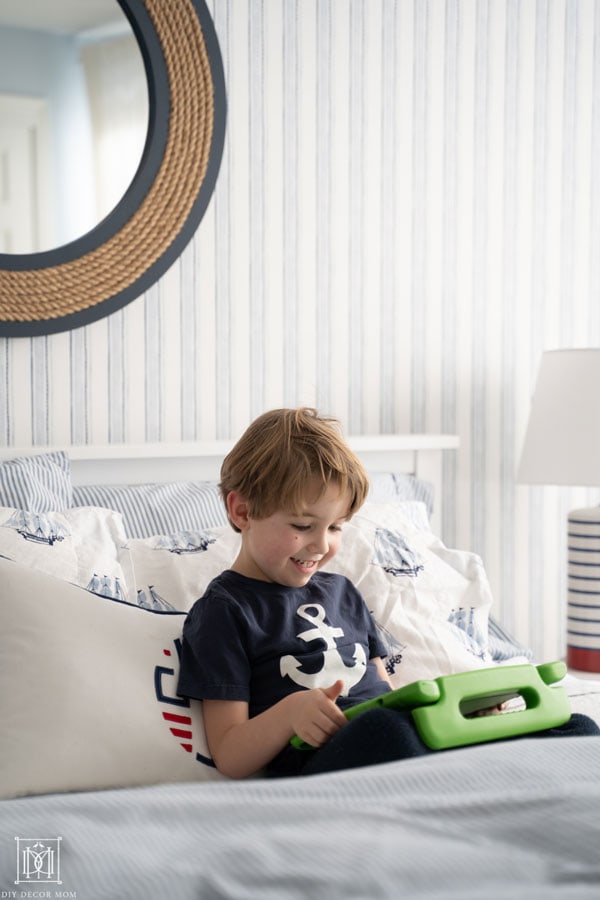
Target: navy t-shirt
258, 641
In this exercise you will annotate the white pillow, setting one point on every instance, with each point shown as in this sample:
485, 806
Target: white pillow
85, 546
172, 572
87, 692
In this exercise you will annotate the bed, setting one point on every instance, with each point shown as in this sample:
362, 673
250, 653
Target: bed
106, 781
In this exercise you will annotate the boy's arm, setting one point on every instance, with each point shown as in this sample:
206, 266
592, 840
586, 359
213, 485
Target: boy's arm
241, 746
381, 671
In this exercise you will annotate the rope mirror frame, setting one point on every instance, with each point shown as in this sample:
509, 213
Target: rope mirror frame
92, 277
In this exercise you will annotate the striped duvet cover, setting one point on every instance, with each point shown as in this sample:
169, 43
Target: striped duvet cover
516, 819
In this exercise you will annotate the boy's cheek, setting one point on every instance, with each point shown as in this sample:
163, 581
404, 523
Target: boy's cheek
333, 549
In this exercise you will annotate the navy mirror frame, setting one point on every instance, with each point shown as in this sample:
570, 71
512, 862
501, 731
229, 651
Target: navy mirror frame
159, 95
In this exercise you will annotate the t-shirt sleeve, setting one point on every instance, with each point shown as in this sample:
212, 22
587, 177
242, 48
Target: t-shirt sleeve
214, 662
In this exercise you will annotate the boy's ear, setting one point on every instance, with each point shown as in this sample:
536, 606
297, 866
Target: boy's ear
237, 510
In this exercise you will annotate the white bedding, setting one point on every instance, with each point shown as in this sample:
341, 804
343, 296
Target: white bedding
508, 820
584, 695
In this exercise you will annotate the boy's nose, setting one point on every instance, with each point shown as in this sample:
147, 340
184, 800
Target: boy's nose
319, 543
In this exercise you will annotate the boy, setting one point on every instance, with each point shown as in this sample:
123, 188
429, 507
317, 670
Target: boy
276, 647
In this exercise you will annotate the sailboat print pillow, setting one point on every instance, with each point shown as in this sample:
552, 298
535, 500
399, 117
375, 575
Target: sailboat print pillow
170, 572
173, 571
84, 546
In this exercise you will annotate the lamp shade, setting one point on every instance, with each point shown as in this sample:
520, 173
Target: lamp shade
562, 441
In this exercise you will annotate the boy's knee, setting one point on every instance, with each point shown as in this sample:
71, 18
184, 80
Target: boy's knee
391, 728
581, 725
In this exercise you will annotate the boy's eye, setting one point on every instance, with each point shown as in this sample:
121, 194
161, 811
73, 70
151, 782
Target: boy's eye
299, 527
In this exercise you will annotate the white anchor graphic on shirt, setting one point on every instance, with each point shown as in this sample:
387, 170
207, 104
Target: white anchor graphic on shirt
334, 667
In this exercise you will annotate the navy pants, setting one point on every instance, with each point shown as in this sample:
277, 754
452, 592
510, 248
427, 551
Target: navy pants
384, 735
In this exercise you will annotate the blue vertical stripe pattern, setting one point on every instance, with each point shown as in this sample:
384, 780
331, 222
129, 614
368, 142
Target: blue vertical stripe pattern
569, 166
407, 214
508, 460
79, 385
188, 268
539, 277
116, 373
420, 206
323, 204
257, 127
388, 117
40, 429
290, 291
449, 260
152, 364
222, 201
594, 225
479, 262
356, 188
5, 417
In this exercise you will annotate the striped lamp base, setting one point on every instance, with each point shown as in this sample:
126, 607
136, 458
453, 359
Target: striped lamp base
583, 590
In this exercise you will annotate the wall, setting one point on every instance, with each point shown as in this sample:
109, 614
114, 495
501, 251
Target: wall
407, 215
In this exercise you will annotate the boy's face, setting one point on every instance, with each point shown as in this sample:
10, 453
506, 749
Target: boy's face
288, 548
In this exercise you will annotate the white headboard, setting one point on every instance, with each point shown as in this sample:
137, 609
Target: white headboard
418, 454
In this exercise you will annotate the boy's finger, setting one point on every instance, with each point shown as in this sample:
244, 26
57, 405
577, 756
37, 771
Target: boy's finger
334, 690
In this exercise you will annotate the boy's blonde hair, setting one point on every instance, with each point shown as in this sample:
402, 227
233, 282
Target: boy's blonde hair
281, 452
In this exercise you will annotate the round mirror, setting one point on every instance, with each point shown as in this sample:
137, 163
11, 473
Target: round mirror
73, 118
136, 240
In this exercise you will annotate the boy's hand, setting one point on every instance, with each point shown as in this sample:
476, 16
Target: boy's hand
314, 715
488, 711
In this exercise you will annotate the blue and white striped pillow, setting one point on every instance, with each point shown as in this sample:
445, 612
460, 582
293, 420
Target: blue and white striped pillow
396, 487
40, 483
502, 645
153, 509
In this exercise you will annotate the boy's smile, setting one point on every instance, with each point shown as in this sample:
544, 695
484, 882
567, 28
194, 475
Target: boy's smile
305, 565
289, 547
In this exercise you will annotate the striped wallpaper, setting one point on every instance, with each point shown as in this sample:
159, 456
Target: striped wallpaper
407, 215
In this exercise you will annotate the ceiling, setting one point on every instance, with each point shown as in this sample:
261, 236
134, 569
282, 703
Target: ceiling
61, 16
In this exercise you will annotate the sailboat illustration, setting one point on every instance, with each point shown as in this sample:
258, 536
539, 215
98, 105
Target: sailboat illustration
394, 555
467, 630
153, 600
186, 542
36, 527
106, 586
394, 649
